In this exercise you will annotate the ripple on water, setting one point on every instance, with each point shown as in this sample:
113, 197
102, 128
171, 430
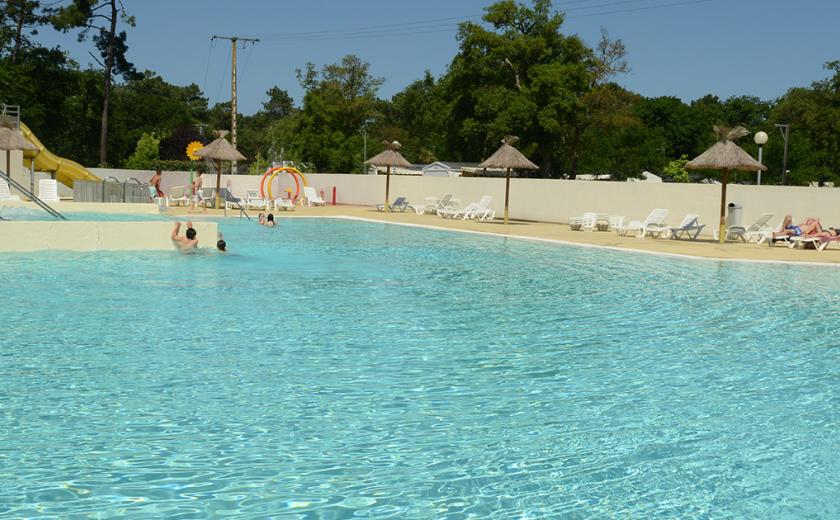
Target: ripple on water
335, 370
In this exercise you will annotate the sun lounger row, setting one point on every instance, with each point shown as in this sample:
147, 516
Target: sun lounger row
446, 207
654, 225
47, 191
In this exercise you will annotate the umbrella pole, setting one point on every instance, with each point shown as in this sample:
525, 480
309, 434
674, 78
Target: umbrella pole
387, 187
218, 183
722, 229
507, 194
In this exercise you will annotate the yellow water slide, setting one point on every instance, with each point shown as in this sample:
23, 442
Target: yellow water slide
66, 171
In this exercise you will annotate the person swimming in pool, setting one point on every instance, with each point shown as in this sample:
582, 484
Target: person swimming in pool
187, 242
266, 221
221, 245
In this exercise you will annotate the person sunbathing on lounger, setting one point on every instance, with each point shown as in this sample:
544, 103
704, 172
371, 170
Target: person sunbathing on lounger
809, 227
827, 234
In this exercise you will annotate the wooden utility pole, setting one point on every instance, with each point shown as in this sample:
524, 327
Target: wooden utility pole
233, 41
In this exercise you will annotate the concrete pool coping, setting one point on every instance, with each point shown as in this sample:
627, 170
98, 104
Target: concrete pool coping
703, 249
82, 236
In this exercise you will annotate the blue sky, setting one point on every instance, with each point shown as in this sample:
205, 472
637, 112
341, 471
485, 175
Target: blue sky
721, 47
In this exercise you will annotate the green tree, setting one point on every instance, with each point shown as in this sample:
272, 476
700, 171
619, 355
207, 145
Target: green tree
279, 105
19, 19
614, 139
676, 169
101, 16
149, 104
145, 153
418, 115
813, 114
339, 99
523, 76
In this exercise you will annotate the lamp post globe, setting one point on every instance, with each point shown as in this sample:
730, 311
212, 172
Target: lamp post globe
760, 140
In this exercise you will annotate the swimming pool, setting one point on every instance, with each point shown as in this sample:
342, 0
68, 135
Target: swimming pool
335, 369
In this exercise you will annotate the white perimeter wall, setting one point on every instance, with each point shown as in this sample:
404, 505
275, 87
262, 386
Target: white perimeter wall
549, 200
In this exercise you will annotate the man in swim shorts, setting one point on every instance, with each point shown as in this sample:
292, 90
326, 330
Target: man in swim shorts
187, 242
198, 196
809, 226
154, 186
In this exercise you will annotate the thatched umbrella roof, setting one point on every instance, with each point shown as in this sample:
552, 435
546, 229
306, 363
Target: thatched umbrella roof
725, 154
508, 157
390, 156
220, 150
14, 140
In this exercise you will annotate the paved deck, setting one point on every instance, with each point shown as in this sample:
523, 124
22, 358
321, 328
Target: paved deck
705, 247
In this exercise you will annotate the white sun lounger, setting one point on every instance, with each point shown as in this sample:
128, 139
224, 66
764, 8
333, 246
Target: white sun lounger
232, 201
653, 225
5, 193
176, 195
756, 232
284, 204
801, 241
48, 190
457, 213
312, 197
690, 227
445, 203
253, 200
475, 210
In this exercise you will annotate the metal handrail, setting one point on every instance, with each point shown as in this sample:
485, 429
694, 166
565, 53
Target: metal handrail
11, 112
46, 207
114, 178
230, 198
133, 179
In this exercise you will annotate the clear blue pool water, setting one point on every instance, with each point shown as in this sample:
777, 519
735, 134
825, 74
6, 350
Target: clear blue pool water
335, 369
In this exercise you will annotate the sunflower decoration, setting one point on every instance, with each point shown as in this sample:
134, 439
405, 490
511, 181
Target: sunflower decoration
192, 148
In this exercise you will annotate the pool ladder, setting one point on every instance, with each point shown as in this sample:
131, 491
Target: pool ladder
46, 207
230, 198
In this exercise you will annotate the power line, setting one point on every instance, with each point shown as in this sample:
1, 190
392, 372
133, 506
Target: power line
207, 69
660, 6
333, 32
430, 21
423, 27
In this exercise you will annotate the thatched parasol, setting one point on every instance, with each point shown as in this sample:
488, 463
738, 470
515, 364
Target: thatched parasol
727, 156
389, 157
220, 150
13, 140
508, 158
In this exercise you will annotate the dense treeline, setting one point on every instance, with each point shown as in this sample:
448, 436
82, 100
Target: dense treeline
518, 73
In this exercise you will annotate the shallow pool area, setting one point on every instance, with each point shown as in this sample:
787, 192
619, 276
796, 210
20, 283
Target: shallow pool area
337, 369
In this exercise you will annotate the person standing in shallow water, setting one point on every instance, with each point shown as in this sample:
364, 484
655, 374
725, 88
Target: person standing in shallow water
187, 242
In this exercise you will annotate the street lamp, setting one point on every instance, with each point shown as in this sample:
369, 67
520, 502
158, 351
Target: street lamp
785, 130
760, 140
364, 135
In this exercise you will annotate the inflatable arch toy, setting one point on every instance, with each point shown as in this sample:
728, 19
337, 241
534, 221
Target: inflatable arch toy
271, 173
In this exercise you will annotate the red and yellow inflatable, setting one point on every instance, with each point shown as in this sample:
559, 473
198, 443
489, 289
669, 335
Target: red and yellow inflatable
271, 173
